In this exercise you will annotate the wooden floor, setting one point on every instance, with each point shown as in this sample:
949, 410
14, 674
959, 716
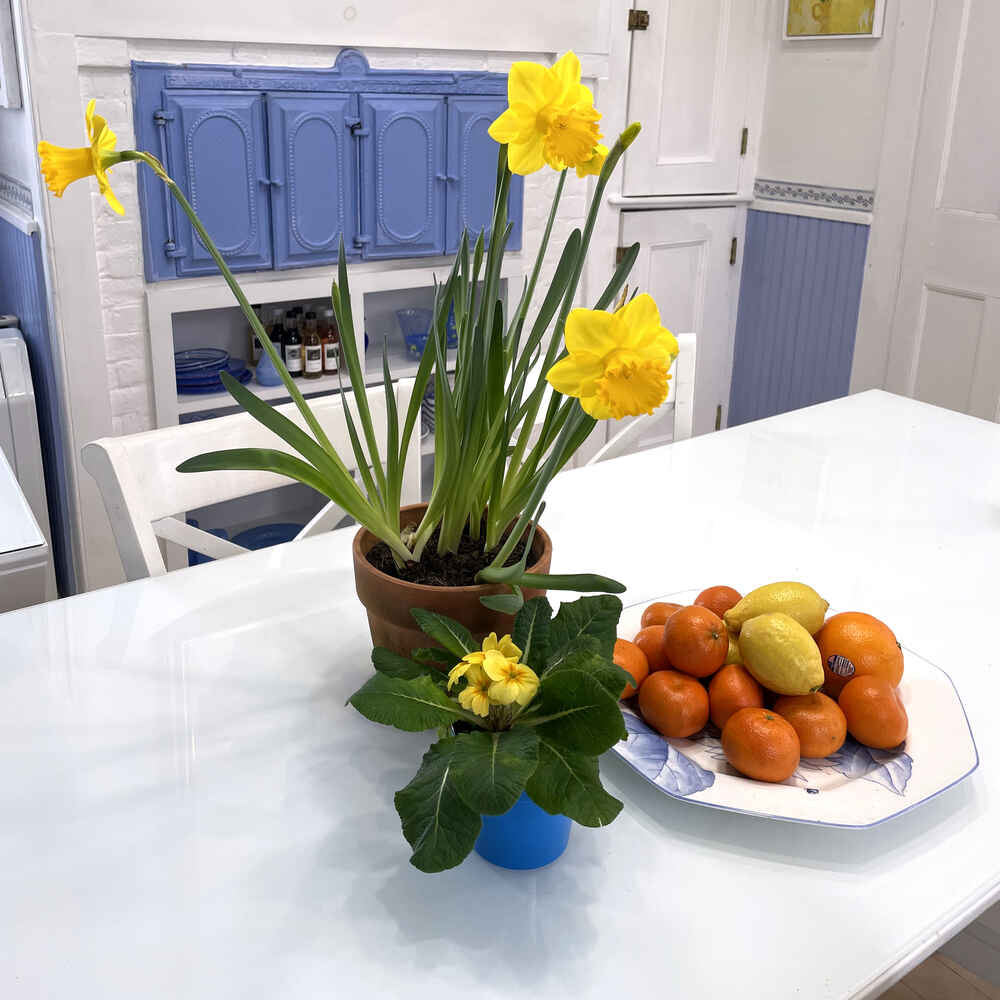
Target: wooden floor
966, 968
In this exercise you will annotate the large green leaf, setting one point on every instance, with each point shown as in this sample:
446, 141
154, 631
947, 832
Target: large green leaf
570, 783
412, 705
597, 616
393, 665
584, 653
575, 711
437, 824
531, 632
490, 769
456, 638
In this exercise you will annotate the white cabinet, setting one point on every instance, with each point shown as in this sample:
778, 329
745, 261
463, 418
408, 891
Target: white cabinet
684, 263
691, 72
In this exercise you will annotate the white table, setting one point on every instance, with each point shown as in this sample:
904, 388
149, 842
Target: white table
187, 809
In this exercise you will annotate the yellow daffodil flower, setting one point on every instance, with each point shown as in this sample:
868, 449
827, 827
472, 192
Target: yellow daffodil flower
475, 696
550, 119
512, 681
594, 164
62, 166
617, 363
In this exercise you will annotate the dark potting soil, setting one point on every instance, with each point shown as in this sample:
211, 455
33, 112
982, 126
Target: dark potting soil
451, 569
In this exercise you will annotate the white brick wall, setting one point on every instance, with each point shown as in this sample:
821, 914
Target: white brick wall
104, 75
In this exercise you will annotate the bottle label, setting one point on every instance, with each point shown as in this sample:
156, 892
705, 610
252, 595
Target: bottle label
314, 359
331, 357
293, 357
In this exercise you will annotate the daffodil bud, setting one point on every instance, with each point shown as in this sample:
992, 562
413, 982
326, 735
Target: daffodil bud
628, 136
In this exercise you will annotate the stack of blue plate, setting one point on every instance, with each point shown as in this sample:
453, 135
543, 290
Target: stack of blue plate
199, 370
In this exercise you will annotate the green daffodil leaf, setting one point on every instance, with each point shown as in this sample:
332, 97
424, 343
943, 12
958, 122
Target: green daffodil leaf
569, 783
437, 824
490, 769
575, 711
412, 705
597, 616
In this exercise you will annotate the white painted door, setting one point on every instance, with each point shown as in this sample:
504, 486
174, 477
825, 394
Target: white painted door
688, 85
684, 264
945, 346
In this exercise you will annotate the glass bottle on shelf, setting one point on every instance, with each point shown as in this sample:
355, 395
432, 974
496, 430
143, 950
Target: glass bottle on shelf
312, 348
330, 339
255, 347
292, 341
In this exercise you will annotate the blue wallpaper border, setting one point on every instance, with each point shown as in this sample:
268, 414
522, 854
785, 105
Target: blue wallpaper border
853, 199
15, 194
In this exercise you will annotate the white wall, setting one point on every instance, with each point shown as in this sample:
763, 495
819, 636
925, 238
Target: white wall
825, 107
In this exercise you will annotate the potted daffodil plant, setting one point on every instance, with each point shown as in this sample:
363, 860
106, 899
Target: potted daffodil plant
530, 382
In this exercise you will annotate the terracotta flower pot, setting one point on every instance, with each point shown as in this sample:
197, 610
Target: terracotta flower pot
388, 600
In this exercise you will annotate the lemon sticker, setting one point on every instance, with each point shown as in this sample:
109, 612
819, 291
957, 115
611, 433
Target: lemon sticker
840, 665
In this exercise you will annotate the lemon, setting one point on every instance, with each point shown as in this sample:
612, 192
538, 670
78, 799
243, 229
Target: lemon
793, 599
781, 654
733, 656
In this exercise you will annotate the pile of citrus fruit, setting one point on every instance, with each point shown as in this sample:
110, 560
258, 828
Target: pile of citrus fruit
771, 671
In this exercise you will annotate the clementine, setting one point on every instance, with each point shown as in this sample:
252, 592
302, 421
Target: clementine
650, 641
761, 744
854, 644
658, 612
875, 715
673, 703
818, 720
731, 689
632, 660
718, 599
696, 641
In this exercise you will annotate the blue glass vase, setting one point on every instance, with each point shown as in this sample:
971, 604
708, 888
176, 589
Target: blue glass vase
266, 373
524, 837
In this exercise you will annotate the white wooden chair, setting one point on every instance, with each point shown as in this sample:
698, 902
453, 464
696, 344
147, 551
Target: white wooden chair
680, 399
143, 492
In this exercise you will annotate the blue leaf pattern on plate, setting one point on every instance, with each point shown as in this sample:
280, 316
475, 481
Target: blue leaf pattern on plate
889, 768
664, 765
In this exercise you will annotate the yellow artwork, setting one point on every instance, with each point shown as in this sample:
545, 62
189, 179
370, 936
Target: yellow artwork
831, 17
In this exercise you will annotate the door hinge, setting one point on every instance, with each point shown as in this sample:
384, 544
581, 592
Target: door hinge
638, 20
732, 252
354, 124
718, 417
620, 254
161, 117
744, 140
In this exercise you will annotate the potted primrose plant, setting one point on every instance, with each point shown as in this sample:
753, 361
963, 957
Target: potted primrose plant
529, 385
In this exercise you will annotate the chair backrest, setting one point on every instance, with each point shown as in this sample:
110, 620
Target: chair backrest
680, 400
142, 490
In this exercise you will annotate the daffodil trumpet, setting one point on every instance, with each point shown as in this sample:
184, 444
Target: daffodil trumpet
529, 382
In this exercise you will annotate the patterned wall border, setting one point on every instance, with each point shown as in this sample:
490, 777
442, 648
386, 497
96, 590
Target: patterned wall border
814, 194
15, 194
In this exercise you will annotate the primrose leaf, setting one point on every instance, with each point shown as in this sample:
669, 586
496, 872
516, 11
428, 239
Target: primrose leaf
575, 711
531, 631
411, 705
393, 665
456, 638
437, 824
584, 653
597, 616
490, 769
570, 783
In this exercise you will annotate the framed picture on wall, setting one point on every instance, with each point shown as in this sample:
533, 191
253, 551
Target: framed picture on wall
834, 19
10, 89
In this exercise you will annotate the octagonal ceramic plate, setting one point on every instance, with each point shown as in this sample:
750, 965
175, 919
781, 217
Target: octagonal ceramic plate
855, 788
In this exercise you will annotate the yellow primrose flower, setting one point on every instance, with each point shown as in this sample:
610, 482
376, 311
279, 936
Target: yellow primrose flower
594, 164
512, 681
472, 663
550, 119
617, 363
471, 670
475, 696
62, 166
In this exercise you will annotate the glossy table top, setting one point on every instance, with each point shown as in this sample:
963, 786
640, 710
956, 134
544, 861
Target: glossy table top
187, 809
18, 527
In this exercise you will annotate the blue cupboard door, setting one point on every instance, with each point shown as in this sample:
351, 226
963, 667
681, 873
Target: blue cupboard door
403, 176
216, 151
472, 172
313, 176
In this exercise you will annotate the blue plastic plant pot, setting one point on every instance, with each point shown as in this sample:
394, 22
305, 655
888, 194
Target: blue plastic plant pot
524, 837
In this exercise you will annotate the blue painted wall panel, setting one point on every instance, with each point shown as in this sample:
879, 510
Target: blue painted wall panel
798, 313
22, 293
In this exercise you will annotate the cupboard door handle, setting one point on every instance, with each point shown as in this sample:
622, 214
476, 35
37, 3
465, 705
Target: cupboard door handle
269, 182
448, 178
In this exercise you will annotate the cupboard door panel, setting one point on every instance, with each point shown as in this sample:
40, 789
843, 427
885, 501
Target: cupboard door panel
403, 176
313, 177
216, 152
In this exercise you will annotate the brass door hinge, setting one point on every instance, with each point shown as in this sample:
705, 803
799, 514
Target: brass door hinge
638, 20
620, 254
744, 140
718, 417
732, 252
